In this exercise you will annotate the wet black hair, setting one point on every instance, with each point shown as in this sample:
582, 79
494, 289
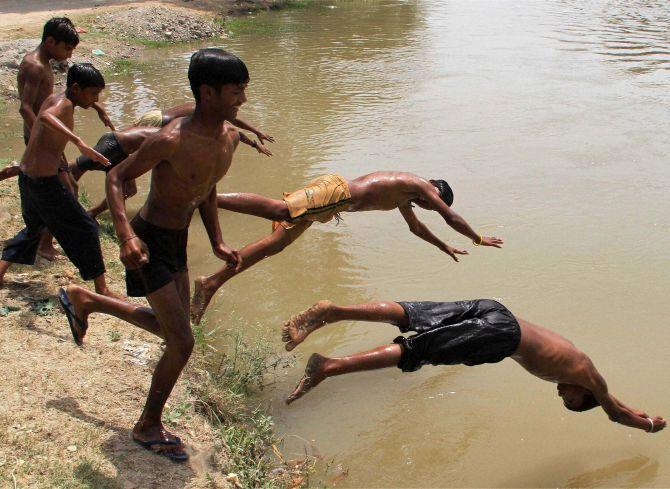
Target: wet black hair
443, 188
588, 402
62, 30
215, 67
85, 75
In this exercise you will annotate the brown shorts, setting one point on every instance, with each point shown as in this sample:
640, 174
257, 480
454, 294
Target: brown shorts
320, 200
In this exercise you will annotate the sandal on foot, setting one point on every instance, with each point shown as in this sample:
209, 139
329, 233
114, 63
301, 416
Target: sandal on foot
72, 318
157, 447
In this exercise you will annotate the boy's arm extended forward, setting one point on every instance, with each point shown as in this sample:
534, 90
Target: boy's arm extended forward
156, 148
50, 119
616, 410
102, 113
209, 214
454, 220
248, 127
258, 147
421, 230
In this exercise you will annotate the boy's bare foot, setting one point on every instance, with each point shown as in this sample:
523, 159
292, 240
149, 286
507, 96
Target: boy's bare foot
314, 375
46, 250
202, 295
302, 324
73, 301
113, 295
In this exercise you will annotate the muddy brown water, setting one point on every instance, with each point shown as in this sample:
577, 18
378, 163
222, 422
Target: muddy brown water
550, 121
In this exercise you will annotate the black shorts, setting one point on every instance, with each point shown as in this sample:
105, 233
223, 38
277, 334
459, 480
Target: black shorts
167, 256
450, 333
109, 147
46, 203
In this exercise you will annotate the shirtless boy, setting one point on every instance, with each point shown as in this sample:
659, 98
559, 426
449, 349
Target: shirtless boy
35, 82
188, 157
45, 203
468, 332
322, 200
117, 145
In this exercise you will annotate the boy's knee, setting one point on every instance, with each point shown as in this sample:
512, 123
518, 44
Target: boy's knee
183, 346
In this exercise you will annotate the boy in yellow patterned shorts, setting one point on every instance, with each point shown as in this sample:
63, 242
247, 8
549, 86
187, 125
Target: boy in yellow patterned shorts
322, 200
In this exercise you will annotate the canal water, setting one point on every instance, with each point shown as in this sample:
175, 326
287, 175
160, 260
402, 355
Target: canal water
550, 121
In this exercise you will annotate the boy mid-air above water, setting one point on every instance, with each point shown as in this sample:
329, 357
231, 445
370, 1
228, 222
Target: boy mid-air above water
187, 158
322, 200
469, 332
45, 201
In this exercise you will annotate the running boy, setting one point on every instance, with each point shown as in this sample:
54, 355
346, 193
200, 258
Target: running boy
35, 82
322, 200
467, 332
45, 203
188, 157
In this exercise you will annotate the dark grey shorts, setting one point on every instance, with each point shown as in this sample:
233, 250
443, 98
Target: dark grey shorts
450, 333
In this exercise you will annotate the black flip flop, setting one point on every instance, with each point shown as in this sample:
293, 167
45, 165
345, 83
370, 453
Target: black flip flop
72, 318
175, 457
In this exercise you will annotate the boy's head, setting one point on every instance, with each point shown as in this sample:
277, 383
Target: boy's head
576, 398
218, 80
60, 38
84, 84
443, 188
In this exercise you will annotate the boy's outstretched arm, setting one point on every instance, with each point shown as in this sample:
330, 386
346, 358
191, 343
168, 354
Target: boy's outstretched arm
50, 119
454, 220
421, 230
248, 127
258, 147
103, 116
616, 410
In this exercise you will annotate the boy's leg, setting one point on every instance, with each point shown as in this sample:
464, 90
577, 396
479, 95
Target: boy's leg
297, 328
319, 368
206, 287
167, 304
255, 205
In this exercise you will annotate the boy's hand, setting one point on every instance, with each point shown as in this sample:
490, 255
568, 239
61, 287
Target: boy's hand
491, 241
105, 119
261, 135
263, 150
658, 422
134, 253
230, 256
91, 153
452, 252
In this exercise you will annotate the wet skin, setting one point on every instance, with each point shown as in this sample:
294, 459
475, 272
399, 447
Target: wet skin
375, 191
542, 352
35, 80
51, 133
187, 158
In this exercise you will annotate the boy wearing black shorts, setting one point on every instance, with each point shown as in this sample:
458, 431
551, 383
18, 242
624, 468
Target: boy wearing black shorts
45, 202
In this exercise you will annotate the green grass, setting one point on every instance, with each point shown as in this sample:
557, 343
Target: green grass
223, 385
106, 228
84, 199
125, 66
114, 336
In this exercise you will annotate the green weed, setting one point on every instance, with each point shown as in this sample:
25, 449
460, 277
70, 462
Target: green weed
114, 336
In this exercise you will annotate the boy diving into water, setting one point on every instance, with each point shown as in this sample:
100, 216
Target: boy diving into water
322, 200
464, 332
45, 202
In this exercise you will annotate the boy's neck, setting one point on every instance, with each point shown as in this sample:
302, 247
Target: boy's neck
68, 95
43, 53
207, 119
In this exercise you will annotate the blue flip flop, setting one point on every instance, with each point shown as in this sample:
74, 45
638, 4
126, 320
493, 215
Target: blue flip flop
175, 457
72, 318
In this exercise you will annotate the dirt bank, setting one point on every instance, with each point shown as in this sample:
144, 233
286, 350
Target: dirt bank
67, 412
115, 30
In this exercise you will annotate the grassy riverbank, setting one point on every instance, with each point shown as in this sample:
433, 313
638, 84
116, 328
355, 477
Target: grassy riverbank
67, 412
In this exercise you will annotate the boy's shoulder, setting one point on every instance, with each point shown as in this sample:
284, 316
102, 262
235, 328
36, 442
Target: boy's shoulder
32, 66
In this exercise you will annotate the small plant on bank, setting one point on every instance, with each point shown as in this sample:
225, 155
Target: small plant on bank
114, 336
